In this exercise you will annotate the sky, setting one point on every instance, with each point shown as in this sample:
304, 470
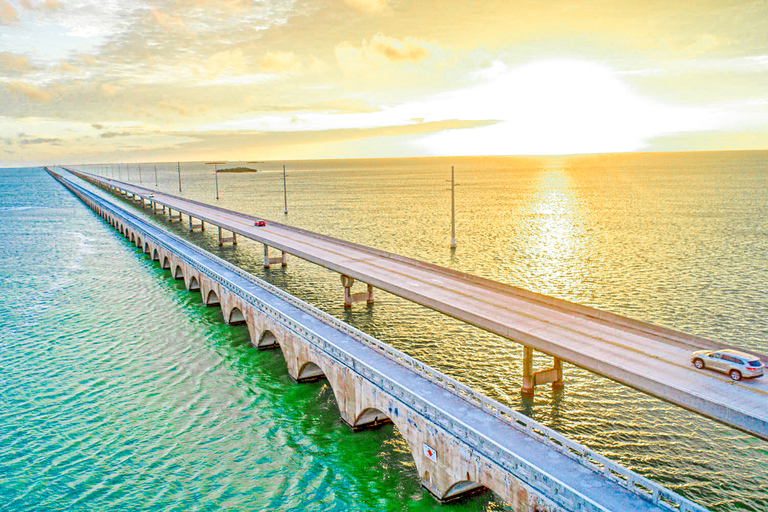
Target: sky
87, 81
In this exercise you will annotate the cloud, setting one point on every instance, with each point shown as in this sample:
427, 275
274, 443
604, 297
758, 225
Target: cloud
65, 66
176, 106
280, 62
109, 90
164, 19
8, 14
381, 49
29, 90
396, 50
47, 5
368, 6
226, 62
111, 135
12, 63
200, 144
41, 140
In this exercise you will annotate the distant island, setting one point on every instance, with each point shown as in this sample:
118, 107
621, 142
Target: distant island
238, 169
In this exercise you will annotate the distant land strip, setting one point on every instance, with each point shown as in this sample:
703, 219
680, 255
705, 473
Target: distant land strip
238, 169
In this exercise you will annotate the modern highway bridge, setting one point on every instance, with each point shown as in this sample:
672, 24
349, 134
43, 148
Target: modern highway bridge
650, 358
461, 441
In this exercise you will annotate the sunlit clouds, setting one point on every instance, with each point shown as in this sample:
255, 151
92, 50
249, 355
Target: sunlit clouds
291, 79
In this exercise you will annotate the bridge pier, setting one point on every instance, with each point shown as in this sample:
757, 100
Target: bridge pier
193, 227
350, 297
532, 379
171, 216
223, 240
282, 259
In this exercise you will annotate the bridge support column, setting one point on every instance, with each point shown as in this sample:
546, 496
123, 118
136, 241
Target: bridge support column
350, 297
193, 227
223, 240
532, 379
282, 259
171, 216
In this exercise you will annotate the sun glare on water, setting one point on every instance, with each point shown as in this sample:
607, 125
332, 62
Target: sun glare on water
554, 107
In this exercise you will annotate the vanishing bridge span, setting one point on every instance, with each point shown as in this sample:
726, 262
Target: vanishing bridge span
461, 441
650, 358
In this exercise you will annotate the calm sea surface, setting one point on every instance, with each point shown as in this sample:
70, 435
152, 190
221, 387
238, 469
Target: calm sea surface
121, 391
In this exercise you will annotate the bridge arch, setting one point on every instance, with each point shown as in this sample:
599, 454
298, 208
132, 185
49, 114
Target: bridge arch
372, 416
138, 241
166, 263
133, 238
178, 272
267, 340
369, 418
155, 255
194, 284
236, 316
463, 489
310, 372
212, 299
146, 247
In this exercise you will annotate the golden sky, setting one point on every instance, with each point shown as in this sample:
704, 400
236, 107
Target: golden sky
149, 80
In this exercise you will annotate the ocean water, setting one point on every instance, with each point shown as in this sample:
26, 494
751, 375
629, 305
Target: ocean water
122, 391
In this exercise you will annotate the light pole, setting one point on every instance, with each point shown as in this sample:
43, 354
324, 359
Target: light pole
453, 210
285, 191
216, 175
155, 176
178, 168
139, 173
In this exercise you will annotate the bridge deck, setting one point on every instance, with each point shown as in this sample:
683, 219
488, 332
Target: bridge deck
649, 358
502, 438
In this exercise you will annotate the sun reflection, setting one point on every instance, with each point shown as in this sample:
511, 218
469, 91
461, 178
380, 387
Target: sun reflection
556, 231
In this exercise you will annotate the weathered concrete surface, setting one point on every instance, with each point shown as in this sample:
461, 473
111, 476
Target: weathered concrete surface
650, 358
460, 440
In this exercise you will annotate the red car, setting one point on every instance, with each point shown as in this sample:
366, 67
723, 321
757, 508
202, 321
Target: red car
260, 223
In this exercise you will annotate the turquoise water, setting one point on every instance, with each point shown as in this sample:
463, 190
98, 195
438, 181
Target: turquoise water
120, 390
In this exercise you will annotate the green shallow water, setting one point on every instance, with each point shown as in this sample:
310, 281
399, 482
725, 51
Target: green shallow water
120, 390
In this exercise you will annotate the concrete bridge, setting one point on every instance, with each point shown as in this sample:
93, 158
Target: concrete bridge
462, 442
650, 358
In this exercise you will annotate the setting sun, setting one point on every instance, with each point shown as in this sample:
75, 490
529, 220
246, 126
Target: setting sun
556, 107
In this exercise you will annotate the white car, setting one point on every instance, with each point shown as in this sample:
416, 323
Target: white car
735, 363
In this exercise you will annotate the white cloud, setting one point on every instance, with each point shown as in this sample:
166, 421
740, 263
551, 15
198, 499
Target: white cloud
368, 6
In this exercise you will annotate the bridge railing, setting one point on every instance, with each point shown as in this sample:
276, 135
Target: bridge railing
624, 477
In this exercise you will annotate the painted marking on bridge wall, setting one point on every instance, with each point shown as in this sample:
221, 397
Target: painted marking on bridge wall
430, 452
